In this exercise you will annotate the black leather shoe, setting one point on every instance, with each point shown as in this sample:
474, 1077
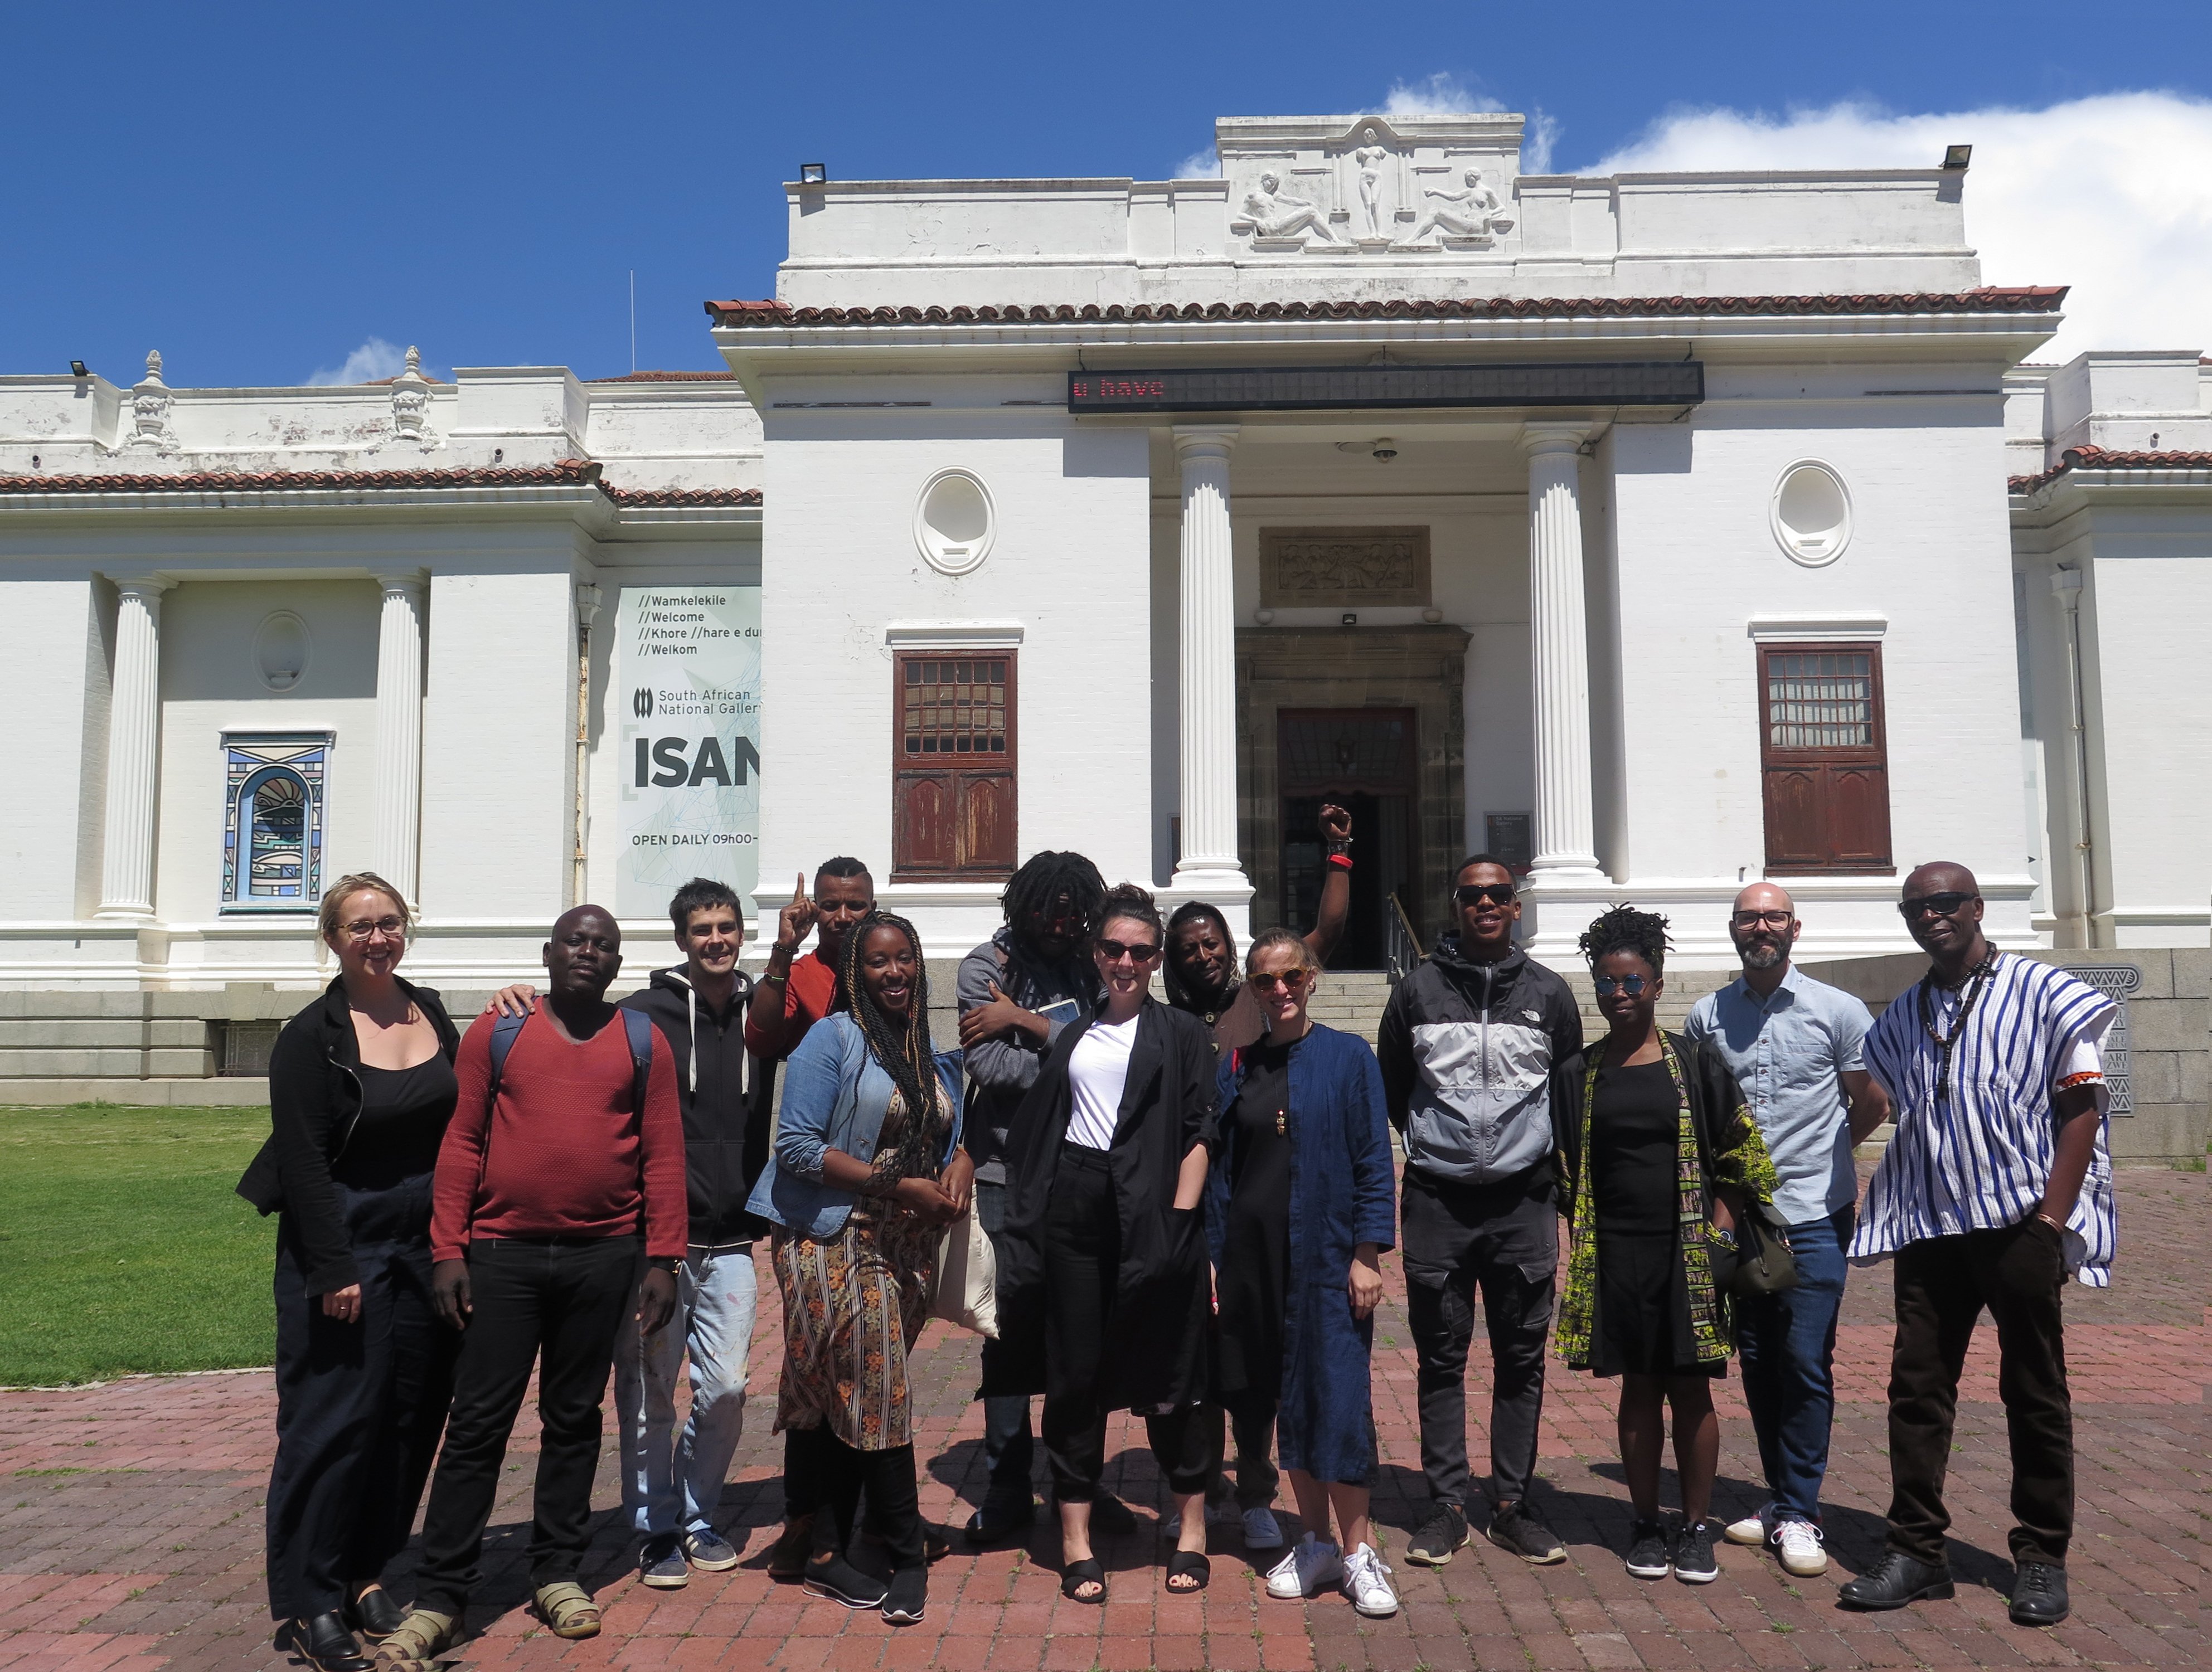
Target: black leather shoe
2038, 1594
374, 1614
325, 1643
1002, 1517
1895, 1581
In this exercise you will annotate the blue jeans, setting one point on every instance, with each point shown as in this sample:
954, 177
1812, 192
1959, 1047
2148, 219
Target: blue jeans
1008, 1444
1788, 1344
671, 1482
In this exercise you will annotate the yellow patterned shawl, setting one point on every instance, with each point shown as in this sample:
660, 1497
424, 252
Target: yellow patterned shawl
1739, 1158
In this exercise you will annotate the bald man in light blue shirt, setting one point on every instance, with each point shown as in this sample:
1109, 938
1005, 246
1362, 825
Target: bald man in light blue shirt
1793, 1044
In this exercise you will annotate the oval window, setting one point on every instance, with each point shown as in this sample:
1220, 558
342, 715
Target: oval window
952, 521
1811, 513
280, 650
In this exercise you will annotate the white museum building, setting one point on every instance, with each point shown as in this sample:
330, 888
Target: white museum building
1658, 532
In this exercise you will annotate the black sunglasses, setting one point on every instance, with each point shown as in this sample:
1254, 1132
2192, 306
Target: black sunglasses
1945, 904
1608, 985
1115, 951
1474, 893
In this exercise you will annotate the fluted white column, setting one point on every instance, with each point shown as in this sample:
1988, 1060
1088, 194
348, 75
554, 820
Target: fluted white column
1208, 663
134, 750
398, 803
1566, 842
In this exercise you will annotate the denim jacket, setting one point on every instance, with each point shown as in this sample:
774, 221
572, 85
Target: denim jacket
834, 1096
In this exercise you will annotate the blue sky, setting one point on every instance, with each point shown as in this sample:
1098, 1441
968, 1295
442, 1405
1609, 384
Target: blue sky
260, 190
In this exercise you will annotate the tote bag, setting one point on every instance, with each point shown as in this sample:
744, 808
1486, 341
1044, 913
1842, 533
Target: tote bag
967, 1278
1765, 1264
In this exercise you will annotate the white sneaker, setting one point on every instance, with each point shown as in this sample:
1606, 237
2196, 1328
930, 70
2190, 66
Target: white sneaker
1367, 1583
1261, 1530
1799, 1543
1308, 1566
1750, 1531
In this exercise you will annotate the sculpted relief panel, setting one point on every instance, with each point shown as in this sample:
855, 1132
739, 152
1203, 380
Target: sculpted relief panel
1373, 190
1344, 568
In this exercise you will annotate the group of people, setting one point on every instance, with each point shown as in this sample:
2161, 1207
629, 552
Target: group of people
1186, 1200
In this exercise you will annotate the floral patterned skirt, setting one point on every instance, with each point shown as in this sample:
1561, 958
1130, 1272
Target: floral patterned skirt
853, 1306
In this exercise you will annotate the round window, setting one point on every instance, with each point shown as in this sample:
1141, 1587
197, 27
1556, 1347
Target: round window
953, 522
1811, 513
280, 650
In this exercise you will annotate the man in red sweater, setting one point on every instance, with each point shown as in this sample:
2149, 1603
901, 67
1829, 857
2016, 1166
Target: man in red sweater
552, 1186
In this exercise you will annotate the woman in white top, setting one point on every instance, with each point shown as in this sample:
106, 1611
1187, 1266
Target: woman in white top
1103, 1298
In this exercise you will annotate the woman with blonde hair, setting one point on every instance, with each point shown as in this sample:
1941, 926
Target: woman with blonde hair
1299, 1209
361, 1087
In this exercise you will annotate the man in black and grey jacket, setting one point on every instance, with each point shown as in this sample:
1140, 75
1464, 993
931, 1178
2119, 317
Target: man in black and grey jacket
1467, 1046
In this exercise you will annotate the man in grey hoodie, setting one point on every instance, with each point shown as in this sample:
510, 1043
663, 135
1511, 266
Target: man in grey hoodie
1467, 1046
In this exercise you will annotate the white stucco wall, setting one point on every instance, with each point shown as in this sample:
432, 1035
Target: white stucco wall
54, 684
1070, 563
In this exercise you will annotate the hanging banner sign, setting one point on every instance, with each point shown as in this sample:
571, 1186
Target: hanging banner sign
687, 690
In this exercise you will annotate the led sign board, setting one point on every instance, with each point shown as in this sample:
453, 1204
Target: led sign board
1292, 388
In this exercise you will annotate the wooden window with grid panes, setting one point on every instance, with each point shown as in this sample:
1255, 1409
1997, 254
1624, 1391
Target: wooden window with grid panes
953, 772
1824, 758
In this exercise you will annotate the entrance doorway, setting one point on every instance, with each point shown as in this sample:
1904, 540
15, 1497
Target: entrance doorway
1364, 760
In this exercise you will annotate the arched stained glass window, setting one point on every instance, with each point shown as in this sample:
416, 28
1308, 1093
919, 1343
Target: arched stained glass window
272, 848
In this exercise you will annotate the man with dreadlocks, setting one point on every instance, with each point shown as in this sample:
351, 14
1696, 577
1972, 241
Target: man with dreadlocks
867, 1169
1017, 991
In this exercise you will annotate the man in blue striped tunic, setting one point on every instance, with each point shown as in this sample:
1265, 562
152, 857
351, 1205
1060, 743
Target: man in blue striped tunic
1996, 1187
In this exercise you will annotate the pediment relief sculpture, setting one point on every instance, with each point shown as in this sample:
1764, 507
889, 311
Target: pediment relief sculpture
1371, 189
1344, 567
1273, 216
1467, 218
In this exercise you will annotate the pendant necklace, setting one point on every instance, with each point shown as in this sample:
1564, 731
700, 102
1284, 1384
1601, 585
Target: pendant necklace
1971, 989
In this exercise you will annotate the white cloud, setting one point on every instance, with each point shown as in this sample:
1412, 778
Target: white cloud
1200, 166
2110, 195
1440, 95
1537, 139
374, 359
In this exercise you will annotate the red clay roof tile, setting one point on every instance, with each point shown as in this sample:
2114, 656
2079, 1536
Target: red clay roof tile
567, 473
1990, 299
2096, 458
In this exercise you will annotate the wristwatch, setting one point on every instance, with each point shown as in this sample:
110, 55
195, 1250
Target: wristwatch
666, 1262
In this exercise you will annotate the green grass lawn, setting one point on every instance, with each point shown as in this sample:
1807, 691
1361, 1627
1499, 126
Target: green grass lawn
122, 1247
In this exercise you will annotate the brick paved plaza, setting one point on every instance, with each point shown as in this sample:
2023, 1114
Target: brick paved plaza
130, 1536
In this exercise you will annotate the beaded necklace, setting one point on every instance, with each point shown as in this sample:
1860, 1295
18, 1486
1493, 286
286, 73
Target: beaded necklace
1975, 979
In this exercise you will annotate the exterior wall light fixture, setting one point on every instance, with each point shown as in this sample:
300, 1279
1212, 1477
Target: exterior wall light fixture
76, 369
815, 174
1958, 156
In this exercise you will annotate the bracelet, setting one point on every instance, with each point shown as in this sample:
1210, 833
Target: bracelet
1337, 848
769, 976
1342, 861
2056, 1225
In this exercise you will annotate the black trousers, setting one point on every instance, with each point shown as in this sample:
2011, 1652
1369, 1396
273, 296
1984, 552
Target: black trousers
1942, 1285
1504, 1240
1082, 1269
1251, 1422
358, 1408
559, 1301
838, 1474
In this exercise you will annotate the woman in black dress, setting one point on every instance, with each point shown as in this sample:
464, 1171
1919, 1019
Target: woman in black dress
1658, 1158
361, 1087
1103, 1298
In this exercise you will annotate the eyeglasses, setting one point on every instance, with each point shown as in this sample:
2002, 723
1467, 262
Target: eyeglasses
1473, 894
390, 928
1115, 951
1290, 981
1775, 919
1607, 985
1945, 904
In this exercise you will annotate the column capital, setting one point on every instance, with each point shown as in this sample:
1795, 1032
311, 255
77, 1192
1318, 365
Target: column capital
1539, 439
410, 582
143, 585
1203, 440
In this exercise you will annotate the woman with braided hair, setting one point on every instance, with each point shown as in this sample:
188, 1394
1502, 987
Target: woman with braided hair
867, 1169
1658, 1158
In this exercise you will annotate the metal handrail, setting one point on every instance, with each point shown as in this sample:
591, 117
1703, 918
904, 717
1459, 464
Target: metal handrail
1402, 946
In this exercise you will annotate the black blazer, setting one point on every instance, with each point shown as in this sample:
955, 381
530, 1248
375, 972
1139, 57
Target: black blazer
314, 1098
1158, 1334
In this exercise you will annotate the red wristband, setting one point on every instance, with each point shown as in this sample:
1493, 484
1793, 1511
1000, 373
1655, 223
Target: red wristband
1343, 859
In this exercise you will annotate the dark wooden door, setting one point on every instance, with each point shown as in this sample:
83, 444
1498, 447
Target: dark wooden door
953, 766
1823, 757
1364, 760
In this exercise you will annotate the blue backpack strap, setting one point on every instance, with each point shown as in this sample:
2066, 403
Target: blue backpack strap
639, 1028
504, 1031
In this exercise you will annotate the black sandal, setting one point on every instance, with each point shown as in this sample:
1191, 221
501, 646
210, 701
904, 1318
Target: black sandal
1188, 1564
1076, 1574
